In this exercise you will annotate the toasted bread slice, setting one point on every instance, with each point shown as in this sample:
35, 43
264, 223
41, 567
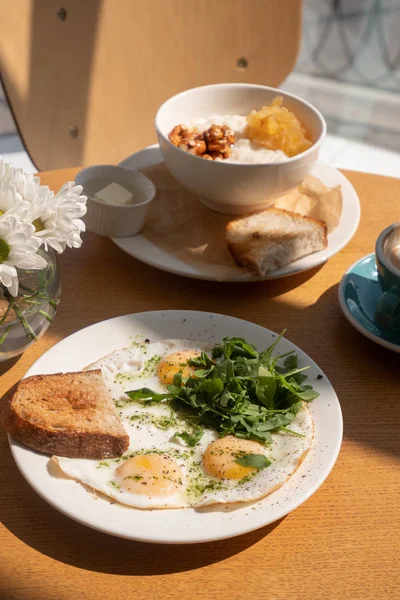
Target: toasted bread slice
268, 240
67, 414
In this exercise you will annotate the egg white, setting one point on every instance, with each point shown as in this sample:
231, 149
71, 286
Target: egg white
151, 429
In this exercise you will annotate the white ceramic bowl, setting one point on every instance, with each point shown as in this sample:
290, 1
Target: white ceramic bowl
229, 187
114, 220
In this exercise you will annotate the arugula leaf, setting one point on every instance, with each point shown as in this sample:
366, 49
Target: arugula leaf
265, 387
211, 387
291, 366
191, 439
264, 437
266, 355
227, 398
177, 380
246, 367
148, 394
299, 377
306, 393
257, 461
233, 348
202, 373
224, 369
202, 361
294, 372
276, 422
291, 362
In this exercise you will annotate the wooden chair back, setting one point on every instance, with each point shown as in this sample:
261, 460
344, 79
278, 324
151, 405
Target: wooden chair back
84, 80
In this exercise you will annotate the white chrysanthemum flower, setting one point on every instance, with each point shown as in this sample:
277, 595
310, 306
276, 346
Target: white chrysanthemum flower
11, 200
18, 250
28, 186
57, 218
3, 167
42, 213
71, 206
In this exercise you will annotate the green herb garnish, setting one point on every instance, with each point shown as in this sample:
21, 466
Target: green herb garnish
114, 485
257, 461
191, 439
238, 391
148, 394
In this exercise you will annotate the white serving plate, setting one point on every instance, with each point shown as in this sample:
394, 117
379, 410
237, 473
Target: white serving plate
142, 249
179, 526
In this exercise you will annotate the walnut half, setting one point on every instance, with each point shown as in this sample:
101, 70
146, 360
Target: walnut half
215, 142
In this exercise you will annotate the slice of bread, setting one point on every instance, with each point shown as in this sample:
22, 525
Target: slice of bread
67, 414
268, 240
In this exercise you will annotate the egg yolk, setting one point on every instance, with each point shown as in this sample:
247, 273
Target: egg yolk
174, 363
220, 456
151, 475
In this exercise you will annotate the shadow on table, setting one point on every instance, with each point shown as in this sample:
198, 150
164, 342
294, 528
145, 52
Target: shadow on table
270, 288
46, 530
8, 364
365, 377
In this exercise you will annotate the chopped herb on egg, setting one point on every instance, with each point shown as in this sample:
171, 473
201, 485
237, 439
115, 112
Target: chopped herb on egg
150, 365
171, 452
140, 346
163, 422
238, 391
247, 478
199, 485
114, 485
122, 378
190, 439
149, 368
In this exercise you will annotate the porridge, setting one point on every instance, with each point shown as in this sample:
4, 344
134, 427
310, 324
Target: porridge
270, 135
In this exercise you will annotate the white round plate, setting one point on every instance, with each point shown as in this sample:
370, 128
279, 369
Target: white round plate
141, 248
179, 526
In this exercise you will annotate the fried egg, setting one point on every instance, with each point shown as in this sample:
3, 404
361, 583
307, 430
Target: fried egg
159, 470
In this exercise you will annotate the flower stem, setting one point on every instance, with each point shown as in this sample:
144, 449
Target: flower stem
3, 337
30, 334
4, 317
46, 315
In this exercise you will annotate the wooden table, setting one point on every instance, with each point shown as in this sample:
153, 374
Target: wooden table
340, 544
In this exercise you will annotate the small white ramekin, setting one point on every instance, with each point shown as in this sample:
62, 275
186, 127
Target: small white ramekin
114, 220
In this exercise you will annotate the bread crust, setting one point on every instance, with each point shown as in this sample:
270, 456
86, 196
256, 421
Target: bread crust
242, 251
242, 261
74, 441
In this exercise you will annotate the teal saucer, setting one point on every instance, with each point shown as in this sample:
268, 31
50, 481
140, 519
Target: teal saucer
359, 292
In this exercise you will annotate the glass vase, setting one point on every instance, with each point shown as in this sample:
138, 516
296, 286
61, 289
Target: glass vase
26, 317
